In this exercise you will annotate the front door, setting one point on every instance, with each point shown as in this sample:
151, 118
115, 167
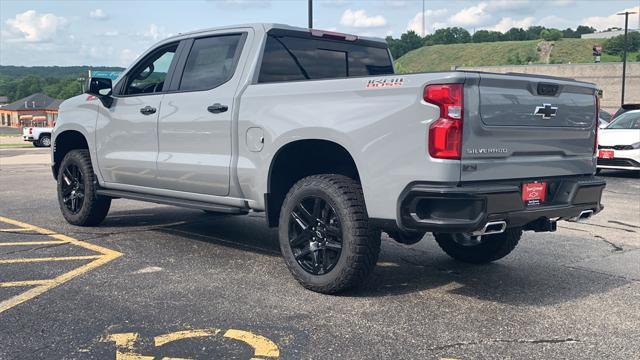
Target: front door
194, 128
127, 132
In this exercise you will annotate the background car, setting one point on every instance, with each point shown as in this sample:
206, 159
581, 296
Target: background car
619, 143
626, 107
604, 118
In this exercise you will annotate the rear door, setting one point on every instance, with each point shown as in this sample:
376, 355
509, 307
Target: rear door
194, 127
519, 126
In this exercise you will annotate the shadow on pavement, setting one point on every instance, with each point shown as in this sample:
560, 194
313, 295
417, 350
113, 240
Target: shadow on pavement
517, 280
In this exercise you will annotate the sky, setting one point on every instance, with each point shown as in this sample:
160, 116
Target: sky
114, 33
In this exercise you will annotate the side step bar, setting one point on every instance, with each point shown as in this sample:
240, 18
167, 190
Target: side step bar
173, 201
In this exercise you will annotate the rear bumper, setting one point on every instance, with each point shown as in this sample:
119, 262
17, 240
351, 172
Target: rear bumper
466, 208
620, 163
28, 138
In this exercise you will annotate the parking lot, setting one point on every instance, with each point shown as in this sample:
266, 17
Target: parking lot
162, 282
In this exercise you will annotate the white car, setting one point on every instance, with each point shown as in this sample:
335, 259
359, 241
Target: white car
619, 143
39, 136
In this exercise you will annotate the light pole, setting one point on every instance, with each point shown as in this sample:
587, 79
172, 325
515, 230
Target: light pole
310, 11
624, 53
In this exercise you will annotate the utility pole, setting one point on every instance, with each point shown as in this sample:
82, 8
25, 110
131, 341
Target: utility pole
310, 9
424, 22
624, 54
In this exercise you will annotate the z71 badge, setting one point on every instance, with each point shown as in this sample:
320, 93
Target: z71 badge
385, 83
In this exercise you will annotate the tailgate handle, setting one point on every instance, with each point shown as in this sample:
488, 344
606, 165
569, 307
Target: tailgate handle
547, 89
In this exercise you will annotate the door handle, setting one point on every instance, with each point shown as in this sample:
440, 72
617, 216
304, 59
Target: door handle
148, 110
217, 108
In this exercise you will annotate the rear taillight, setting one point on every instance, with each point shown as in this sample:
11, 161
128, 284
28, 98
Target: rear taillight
595, 144
30, 131
445, 134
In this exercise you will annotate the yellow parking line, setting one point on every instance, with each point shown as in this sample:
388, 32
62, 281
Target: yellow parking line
105, 256
262, 346
25, 283
34, 243
181, 335
14, 229
62, 258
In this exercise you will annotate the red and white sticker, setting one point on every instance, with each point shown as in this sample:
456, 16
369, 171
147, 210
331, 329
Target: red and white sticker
534, 193
385, 83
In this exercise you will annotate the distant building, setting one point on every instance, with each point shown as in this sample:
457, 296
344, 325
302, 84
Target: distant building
34, 110
4, 100
606, 34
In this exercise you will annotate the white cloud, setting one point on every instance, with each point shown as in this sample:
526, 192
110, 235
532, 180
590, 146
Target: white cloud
415, 23
471, 16
507, 23
613, 20
111, 33
557, 22
98, 14
155, 32
32, 27
360, 19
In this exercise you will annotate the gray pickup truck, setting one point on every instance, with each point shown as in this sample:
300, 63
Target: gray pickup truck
315, 129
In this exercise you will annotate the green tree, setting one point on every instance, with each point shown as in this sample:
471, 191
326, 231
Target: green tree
481, 36
615, 45
515, 34
581, 30
452, 35
551, 34
533, 32
569, 33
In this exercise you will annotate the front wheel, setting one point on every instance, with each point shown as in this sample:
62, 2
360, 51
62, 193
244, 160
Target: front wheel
479, 249
79, 203
325, 236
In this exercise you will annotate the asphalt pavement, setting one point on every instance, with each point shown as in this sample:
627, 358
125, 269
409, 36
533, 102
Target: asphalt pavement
157, 281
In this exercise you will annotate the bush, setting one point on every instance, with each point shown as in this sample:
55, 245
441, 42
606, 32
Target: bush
615, 45
551, 34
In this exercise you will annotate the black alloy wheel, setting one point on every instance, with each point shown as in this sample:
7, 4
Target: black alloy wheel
315, 235
73, 193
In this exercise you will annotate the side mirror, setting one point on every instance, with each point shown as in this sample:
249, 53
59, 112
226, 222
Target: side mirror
102, 89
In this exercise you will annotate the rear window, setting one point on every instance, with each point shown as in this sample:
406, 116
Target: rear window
291, 58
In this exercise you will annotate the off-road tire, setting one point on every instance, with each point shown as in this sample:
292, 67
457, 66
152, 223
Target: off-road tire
94, 207
492, 247
360, 241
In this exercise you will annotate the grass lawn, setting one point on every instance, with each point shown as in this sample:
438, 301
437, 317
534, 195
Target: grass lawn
16, 145
443, 57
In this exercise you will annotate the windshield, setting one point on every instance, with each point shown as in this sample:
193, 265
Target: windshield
629, 120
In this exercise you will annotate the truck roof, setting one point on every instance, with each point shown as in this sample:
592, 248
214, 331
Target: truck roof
264, 27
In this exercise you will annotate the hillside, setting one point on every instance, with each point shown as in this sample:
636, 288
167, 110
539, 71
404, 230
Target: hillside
443, 57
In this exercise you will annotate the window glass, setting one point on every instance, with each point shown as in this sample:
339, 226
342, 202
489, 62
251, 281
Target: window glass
629, 120
149, 76
210, 63
289, 58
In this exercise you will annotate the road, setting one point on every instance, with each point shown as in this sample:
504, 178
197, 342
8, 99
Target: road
167, 282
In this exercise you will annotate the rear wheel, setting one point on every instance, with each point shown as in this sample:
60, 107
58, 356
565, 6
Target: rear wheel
479, 250
325, 236
44, 141
77, 185
36, 143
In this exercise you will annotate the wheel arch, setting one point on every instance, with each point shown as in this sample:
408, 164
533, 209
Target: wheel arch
301, 158
64, 142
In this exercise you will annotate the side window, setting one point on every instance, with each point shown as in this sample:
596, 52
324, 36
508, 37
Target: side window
211, 62
290, 58
149, 75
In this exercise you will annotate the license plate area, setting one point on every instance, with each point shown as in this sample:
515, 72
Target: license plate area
534, 194
605, 154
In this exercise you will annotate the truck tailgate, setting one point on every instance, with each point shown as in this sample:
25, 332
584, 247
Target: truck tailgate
519, 126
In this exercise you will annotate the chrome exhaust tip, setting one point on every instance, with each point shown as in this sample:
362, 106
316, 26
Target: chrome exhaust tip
492, 227
584, 216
